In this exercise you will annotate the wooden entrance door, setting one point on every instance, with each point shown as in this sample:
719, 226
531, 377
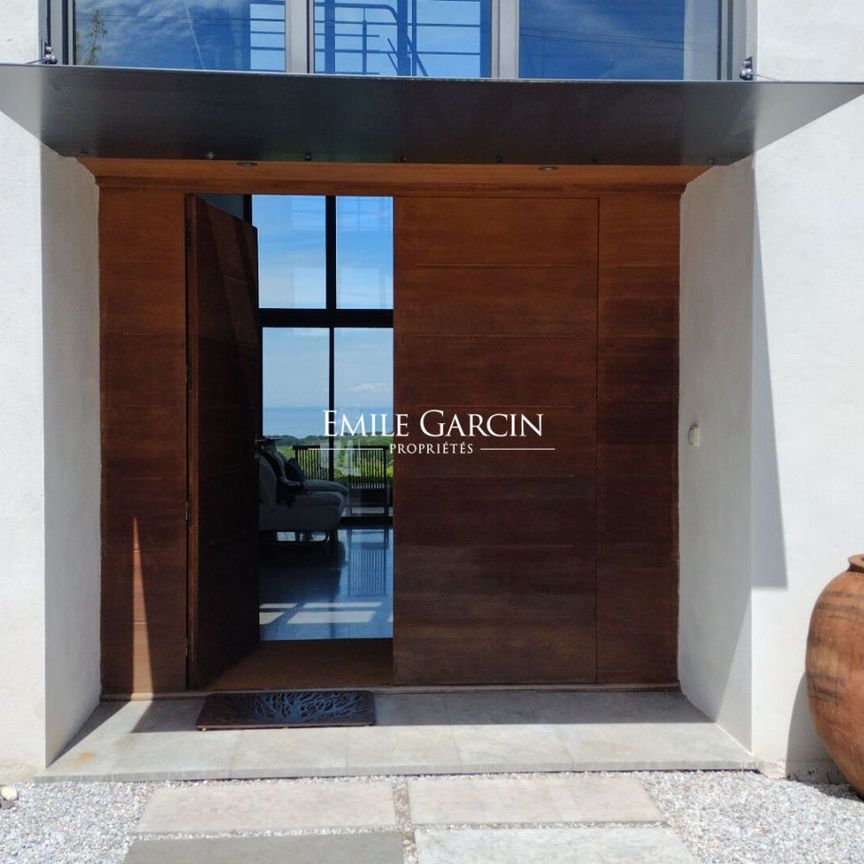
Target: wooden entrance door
496, 551
224, 393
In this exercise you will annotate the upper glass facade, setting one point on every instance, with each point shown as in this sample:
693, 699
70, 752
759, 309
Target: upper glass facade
421, 38
177, 34
618, 39
565, 39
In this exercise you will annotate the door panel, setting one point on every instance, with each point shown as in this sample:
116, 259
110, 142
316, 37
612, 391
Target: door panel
637, 412
496, 556
224, 388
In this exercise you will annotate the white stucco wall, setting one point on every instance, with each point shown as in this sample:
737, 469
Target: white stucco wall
19, 31
808, 457
70, 322
805, 205
49, 436
716, 310
22, 534
808, 511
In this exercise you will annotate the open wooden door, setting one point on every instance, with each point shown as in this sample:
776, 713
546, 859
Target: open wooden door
224, 372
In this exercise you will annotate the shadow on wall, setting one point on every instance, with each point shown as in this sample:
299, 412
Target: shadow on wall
801, 734
768, 565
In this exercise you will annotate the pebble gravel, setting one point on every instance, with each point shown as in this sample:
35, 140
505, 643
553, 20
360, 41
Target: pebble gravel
731, 817
722, 817
71, 823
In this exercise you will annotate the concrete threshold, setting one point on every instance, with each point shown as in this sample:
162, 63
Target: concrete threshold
460, 732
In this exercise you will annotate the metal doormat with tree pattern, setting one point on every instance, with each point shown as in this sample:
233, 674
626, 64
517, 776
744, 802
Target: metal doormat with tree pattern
287, 709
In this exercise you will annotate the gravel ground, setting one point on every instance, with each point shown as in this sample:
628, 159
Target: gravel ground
730, 817
722, 817
71, 823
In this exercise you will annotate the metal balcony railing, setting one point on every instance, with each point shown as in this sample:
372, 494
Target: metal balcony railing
362, 469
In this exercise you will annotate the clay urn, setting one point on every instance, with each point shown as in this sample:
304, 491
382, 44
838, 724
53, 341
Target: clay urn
835, 670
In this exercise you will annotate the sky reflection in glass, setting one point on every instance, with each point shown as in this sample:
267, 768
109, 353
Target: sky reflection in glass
178, 34
623, 39
421, 38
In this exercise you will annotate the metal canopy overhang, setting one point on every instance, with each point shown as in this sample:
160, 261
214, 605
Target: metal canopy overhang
168, 114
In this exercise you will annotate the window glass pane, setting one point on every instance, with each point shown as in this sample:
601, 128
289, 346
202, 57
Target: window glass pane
181, 34
292, 252
295, 383
363, 377
618, 39
425, 38
364, 253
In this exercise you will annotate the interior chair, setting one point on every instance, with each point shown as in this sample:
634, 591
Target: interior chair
282, 507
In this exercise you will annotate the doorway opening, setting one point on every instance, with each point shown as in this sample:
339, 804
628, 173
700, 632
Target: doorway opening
315, 273
326, 311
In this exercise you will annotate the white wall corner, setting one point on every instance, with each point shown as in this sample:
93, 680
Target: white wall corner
808, 512
714, 471
22, 538
70, 292
49, 400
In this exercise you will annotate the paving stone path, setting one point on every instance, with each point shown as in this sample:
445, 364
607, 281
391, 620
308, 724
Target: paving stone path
589, 819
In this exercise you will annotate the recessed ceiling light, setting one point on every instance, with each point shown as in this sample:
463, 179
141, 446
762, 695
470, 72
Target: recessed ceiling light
247, 164
547, 168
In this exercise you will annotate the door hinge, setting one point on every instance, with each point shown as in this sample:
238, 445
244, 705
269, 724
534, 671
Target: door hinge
188, 513
188, 649
188, 236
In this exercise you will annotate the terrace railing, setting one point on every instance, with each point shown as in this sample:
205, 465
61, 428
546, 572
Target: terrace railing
362, 469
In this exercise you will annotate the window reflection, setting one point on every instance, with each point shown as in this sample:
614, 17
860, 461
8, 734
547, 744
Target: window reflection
425, 38
181, 34
364, 253
618, 39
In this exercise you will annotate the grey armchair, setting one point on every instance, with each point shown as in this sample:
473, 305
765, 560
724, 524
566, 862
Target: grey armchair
304, 512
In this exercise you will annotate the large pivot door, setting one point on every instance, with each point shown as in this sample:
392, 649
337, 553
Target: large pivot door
224, 388
496, 549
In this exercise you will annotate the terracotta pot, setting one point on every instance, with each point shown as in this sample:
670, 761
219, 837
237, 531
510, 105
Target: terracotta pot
835, 670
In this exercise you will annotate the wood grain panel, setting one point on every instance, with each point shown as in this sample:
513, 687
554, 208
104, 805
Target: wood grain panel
497, 232
224, 394
333, 178
637, 447
495, 552
492, 511
482, 300
533, 606
571, 431
143, 423
479, 371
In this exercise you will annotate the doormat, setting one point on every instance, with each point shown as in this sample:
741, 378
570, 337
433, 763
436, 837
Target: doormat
287, 709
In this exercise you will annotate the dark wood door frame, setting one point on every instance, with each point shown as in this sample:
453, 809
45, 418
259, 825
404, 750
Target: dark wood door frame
143, 372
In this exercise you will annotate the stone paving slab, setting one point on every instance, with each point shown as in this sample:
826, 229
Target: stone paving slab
514, 800
332, 849
416, 733
629, 845
222, 808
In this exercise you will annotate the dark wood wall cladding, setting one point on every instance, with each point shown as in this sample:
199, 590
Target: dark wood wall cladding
637, 410
143, 370
495, 552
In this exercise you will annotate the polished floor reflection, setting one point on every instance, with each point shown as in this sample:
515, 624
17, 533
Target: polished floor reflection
329, 591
